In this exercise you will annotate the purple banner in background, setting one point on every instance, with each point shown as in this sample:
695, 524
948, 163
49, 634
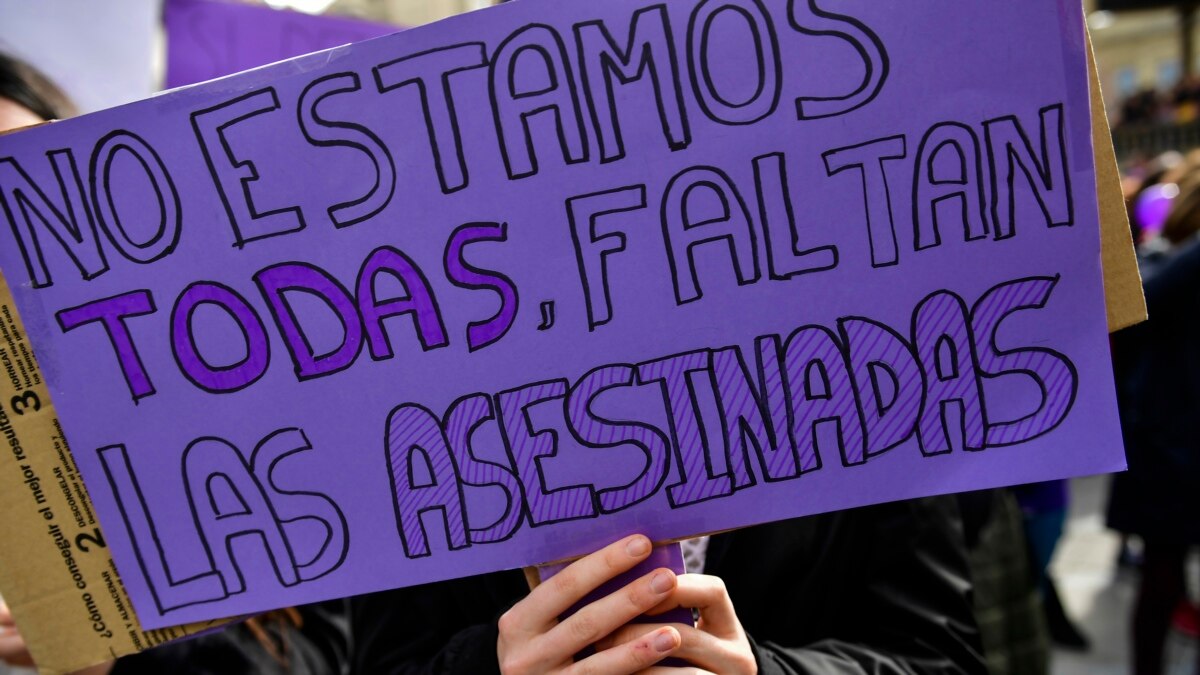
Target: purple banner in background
207, 39
502, 289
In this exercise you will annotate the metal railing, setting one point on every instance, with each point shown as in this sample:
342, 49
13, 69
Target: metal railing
1150, 140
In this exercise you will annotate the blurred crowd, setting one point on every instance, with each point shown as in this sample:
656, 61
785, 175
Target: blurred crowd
1178, 105
1157, 368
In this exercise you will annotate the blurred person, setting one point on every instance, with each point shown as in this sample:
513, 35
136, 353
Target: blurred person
302, 641
1008, 607
1158, 385
27, 97
883, 590
1185, 97
1141, 108
309, 640
1151, 248
1184, 220
1044, 516
1165, 169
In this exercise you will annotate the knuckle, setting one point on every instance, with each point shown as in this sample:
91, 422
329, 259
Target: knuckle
716, 586
612, 561
515, 665
583, 628
508, 622
623, 636
637, 600
583, 668
639, 655
567, 583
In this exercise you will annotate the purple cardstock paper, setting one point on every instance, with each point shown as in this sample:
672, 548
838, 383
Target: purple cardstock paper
502, 289
207, 39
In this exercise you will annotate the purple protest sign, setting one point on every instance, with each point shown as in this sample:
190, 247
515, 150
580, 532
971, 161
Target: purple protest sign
496, 291
207, 39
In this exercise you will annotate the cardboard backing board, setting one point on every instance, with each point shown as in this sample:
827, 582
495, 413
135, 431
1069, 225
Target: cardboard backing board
1122, 281
55, 571
58, 576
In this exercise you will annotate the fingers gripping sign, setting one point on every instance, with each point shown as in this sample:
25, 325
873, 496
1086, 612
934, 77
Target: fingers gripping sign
534, 641
717, 644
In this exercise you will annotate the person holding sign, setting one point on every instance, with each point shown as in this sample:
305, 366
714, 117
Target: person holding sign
600, 331
882, 590
1158, 497
308, 640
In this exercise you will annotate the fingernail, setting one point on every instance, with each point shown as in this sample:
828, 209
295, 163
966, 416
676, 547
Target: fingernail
637, 547
662, 582
664, 642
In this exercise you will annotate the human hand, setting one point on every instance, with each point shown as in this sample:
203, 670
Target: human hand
534, 642
717, 644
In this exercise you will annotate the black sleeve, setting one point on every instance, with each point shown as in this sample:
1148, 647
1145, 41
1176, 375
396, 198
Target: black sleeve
320, 645
876, 591
445, 628
469, 651
1168, 289
906, 610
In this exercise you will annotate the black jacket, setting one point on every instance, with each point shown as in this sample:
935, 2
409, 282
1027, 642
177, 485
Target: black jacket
1157, 365
320, 645
880, 590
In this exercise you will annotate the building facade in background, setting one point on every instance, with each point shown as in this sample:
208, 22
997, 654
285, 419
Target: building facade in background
407, 12
1137, 50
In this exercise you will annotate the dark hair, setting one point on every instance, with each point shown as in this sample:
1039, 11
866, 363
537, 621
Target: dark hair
1184, 219
24, 84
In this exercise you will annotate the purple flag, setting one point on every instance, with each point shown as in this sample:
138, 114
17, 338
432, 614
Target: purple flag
207, 39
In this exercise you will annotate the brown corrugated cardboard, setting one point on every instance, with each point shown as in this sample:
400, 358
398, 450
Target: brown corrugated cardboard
1122, 281
55, 571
